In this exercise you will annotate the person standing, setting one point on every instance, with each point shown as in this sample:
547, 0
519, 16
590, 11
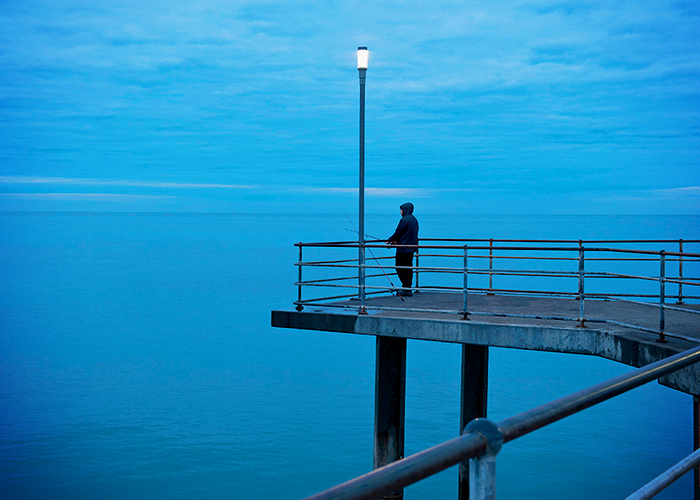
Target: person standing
405, 238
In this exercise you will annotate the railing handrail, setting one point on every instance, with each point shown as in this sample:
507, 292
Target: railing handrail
661, 482
355, 244
536, 250
530, 240
508, 240
471, 444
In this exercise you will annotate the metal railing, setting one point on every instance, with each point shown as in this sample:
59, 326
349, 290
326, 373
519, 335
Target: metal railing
482, 439
666, 479
637, 271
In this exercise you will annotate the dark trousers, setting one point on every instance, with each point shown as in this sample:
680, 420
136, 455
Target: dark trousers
405, 259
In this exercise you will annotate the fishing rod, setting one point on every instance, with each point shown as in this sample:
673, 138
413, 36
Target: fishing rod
366, 235
372, 254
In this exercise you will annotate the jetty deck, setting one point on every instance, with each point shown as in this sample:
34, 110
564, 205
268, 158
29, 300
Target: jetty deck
502, 321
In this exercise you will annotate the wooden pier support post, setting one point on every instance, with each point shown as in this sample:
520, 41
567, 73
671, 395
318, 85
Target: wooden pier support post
389, 403
475, 379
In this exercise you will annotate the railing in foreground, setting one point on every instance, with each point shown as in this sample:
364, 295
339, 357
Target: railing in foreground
622, 273
482, 439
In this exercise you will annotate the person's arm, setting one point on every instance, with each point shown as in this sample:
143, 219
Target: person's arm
400, 230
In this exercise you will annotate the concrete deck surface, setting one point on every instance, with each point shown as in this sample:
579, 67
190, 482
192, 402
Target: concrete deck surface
626, 345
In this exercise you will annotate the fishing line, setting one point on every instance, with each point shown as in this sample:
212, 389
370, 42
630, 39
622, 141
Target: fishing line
366, 235
372, 254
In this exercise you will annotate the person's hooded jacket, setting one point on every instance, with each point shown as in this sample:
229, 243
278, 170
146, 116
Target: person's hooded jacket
407, 231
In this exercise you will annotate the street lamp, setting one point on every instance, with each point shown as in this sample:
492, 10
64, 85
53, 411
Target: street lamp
362, 59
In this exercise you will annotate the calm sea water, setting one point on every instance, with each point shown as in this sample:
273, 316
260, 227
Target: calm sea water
137, 361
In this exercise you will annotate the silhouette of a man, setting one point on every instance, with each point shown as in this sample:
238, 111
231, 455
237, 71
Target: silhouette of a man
405, 238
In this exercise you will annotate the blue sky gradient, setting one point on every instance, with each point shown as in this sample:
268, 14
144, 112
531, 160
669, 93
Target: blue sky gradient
249, 106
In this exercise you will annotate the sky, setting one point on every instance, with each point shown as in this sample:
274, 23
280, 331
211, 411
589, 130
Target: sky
564, 107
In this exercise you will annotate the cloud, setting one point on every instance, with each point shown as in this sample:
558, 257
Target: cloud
122, 182
681, 192
376, 192
682, 199
87, 196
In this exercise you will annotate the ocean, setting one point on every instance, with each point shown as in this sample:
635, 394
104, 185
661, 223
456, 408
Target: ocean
137, 360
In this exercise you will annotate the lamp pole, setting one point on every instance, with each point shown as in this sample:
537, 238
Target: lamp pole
362, 59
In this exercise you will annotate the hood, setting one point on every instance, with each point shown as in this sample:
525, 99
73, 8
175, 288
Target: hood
407, 208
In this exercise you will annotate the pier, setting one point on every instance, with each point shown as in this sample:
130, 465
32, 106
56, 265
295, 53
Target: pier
632, 302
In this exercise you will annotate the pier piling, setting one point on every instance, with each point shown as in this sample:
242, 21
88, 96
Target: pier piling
475, 367
390, 403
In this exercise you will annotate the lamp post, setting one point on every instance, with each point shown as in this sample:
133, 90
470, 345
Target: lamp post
362, 58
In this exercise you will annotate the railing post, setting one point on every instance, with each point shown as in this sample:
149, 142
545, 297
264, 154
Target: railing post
581, 294
416, 270
482, 469
662, 296
361, 284
299, 306
680, 273
465, 313
490, 292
